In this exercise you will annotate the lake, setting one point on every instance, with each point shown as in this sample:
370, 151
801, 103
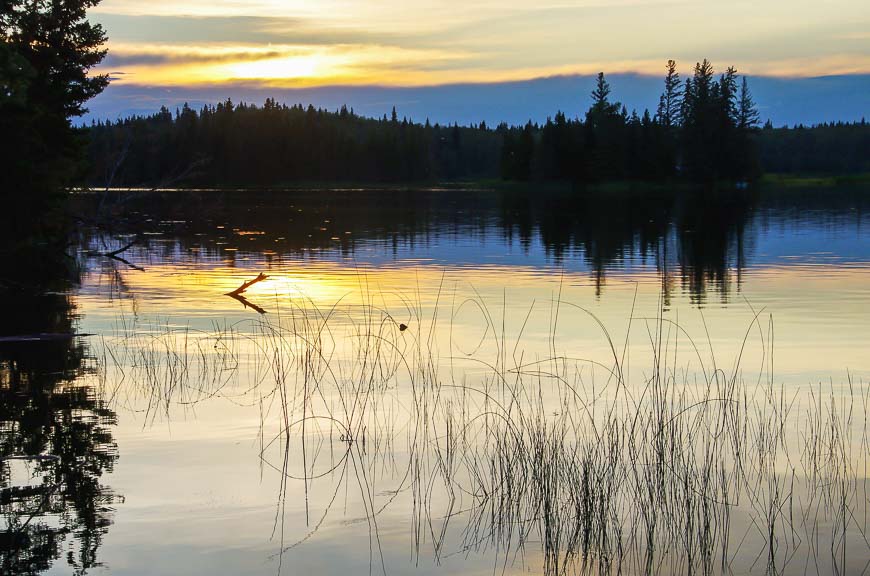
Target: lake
445, 381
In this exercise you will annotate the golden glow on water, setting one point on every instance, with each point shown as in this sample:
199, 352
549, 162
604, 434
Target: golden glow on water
225, 479
820, 329
210, 445
421, 364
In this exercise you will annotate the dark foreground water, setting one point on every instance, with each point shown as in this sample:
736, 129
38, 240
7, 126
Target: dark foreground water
445, 382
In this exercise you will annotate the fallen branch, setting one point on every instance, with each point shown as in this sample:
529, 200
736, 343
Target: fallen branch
246, 285
114, 253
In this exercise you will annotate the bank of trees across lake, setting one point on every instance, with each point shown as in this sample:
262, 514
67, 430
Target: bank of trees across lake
705, 129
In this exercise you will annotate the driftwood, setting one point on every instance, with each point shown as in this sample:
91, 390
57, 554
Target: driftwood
246, 285
114, 254
124, 248
237, 293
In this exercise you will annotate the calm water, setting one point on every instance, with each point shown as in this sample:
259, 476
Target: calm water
367, 408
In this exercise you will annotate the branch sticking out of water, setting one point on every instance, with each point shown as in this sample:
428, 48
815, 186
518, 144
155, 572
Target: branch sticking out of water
245, 285
237, 293
114, 255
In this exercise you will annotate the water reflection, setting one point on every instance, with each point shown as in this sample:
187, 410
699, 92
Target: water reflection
699, 243
323, 433
713, 242
55, 441
514, 459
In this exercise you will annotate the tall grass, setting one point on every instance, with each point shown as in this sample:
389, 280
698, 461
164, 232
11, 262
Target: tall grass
558, 464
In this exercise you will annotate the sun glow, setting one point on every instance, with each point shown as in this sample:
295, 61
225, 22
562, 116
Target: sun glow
298, 43
278, 68
281, 65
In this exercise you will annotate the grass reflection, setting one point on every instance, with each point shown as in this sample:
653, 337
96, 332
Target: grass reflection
532, 457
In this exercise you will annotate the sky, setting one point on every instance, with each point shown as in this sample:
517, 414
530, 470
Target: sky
321, 49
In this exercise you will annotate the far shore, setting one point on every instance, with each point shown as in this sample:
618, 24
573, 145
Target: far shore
766, 183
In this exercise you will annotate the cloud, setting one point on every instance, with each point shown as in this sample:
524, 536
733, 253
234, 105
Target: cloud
395, 42
220, 30
121, 59
290, 65
278, 66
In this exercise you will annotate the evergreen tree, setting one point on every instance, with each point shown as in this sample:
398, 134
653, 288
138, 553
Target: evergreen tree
700, 113
747, 113
602, 109
727, 91
669, 117
726, 144
601, 93
604, 138
48, 49
747, 160
670, 103
711, 136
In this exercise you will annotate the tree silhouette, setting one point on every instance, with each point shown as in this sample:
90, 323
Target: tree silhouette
59, 427
747, 113
703, 132
46, 52
602, 109
670, 103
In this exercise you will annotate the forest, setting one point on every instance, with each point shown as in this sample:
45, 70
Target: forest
706, 129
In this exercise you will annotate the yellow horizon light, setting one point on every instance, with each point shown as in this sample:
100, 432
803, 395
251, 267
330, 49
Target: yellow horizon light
287, 67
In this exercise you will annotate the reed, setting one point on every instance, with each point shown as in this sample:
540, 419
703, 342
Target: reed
567, 465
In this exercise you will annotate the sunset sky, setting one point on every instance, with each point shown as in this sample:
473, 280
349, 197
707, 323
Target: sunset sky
393, 42
291, 44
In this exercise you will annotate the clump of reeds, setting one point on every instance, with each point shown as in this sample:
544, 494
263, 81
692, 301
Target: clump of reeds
570, 465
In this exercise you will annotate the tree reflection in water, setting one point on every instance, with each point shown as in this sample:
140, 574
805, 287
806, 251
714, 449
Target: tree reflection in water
698, 242
55, 441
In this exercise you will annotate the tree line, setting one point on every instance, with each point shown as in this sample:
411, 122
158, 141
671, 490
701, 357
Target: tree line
833, 148
242, 145
705, 129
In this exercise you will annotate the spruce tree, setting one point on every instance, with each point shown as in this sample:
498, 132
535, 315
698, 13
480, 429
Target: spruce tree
699, 129
604, 140
727, 92
725, 145
747, 157
602, 108
601, 92
47, 50
747, 113
670, 103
